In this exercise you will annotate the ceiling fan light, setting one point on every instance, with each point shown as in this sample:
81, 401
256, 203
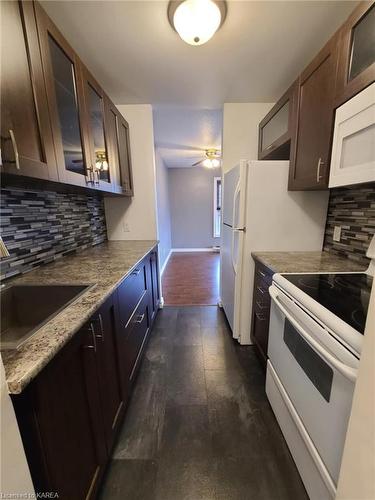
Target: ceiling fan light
215, 163
196, 21
207, 163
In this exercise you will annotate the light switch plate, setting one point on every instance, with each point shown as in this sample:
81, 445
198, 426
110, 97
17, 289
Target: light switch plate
126, 227
337, 233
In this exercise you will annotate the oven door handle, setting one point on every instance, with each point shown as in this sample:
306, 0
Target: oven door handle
345, 370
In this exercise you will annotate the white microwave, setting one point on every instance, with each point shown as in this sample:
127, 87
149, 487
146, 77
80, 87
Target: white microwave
353, 148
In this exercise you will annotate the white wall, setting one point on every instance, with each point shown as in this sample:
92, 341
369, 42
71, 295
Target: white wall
357, 475
15, 475
240, 131
163, 209
191, 192
139, 212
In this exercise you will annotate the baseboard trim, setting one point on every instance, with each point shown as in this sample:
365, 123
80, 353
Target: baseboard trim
205, 249
165, 263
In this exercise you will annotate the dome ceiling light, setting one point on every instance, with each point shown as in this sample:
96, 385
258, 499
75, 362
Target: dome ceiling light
196, 21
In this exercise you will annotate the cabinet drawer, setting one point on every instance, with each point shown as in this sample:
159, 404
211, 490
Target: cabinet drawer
130, 293
135, 336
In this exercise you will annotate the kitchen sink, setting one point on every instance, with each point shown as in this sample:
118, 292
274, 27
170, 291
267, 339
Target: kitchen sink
26, 308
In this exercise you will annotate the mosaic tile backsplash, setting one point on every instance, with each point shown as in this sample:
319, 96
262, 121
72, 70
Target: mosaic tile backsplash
354, 210
41, 226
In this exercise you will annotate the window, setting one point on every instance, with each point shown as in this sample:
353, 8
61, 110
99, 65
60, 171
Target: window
217, 206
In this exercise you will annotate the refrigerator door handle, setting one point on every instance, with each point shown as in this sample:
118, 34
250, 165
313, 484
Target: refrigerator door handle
235, 196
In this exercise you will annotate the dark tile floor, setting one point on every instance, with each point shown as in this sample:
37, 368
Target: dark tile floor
199, 425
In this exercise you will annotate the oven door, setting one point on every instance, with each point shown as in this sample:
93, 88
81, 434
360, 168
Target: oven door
317, 373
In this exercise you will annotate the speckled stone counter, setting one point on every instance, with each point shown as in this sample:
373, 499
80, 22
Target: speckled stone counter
306, 262
103, 266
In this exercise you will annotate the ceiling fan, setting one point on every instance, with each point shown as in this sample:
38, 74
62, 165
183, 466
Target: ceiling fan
211, 158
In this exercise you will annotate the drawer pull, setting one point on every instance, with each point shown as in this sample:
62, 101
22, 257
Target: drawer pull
100, 320
140, 318
261, 273
135, 272
261, 290
260, 305
318, 175
93, 346
260, 317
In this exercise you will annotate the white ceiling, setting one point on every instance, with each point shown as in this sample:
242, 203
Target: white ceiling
138, 58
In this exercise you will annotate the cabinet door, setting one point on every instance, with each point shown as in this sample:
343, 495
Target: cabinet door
356, 69
97, 132
119, 150
65, 100
261, 311
277, 129
108, 370
126, 174
26, 135
66, 411
310, 167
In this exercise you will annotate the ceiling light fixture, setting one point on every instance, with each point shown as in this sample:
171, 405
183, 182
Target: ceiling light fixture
211, 163
196, 21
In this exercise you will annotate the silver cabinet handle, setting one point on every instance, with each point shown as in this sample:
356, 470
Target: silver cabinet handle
15, 149
136, 272
93, 346
260, 317
139, 319
100, 320
261, 273
318, 176
261, 290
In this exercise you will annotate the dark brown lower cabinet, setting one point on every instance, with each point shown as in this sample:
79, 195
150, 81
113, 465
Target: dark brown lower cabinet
261, 310
113, 399
70, 413
59, 416
155, 290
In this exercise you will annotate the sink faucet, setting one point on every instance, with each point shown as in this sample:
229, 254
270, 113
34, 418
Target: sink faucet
3, 249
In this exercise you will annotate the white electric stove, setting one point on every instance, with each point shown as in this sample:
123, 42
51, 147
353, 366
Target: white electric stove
315, 340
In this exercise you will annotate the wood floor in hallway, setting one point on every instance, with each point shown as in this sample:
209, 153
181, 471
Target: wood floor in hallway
192, 278
199, 425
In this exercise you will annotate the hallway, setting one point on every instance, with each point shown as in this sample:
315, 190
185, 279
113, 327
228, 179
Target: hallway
199, 425
192, 278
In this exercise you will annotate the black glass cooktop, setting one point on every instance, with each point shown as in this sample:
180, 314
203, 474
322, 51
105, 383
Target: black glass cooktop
345, 295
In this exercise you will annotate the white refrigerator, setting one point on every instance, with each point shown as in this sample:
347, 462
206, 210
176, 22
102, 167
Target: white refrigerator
261, 215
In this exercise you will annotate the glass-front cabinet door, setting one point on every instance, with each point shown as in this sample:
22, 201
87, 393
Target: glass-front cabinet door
65, 99
277, 128
98, 161
119, 150
356, 69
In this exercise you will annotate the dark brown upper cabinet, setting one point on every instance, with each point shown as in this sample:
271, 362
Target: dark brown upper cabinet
277, 129
98, 160
316, 91
119, 150
26, 135
65, 100
356, 69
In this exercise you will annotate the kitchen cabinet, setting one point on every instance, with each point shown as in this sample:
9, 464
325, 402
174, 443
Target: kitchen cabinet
316, 91
356, 68
119, 150
26, 134
113, 398
55, 124
97, 132
70, 414
261, 310
133, 319
59, 416
65, 100
278, 127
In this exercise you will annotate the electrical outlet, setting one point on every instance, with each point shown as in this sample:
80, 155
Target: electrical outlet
126, 227
337, 233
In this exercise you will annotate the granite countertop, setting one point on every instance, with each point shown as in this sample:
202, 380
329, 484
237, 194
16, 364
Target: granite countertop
103, 266
306, 262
